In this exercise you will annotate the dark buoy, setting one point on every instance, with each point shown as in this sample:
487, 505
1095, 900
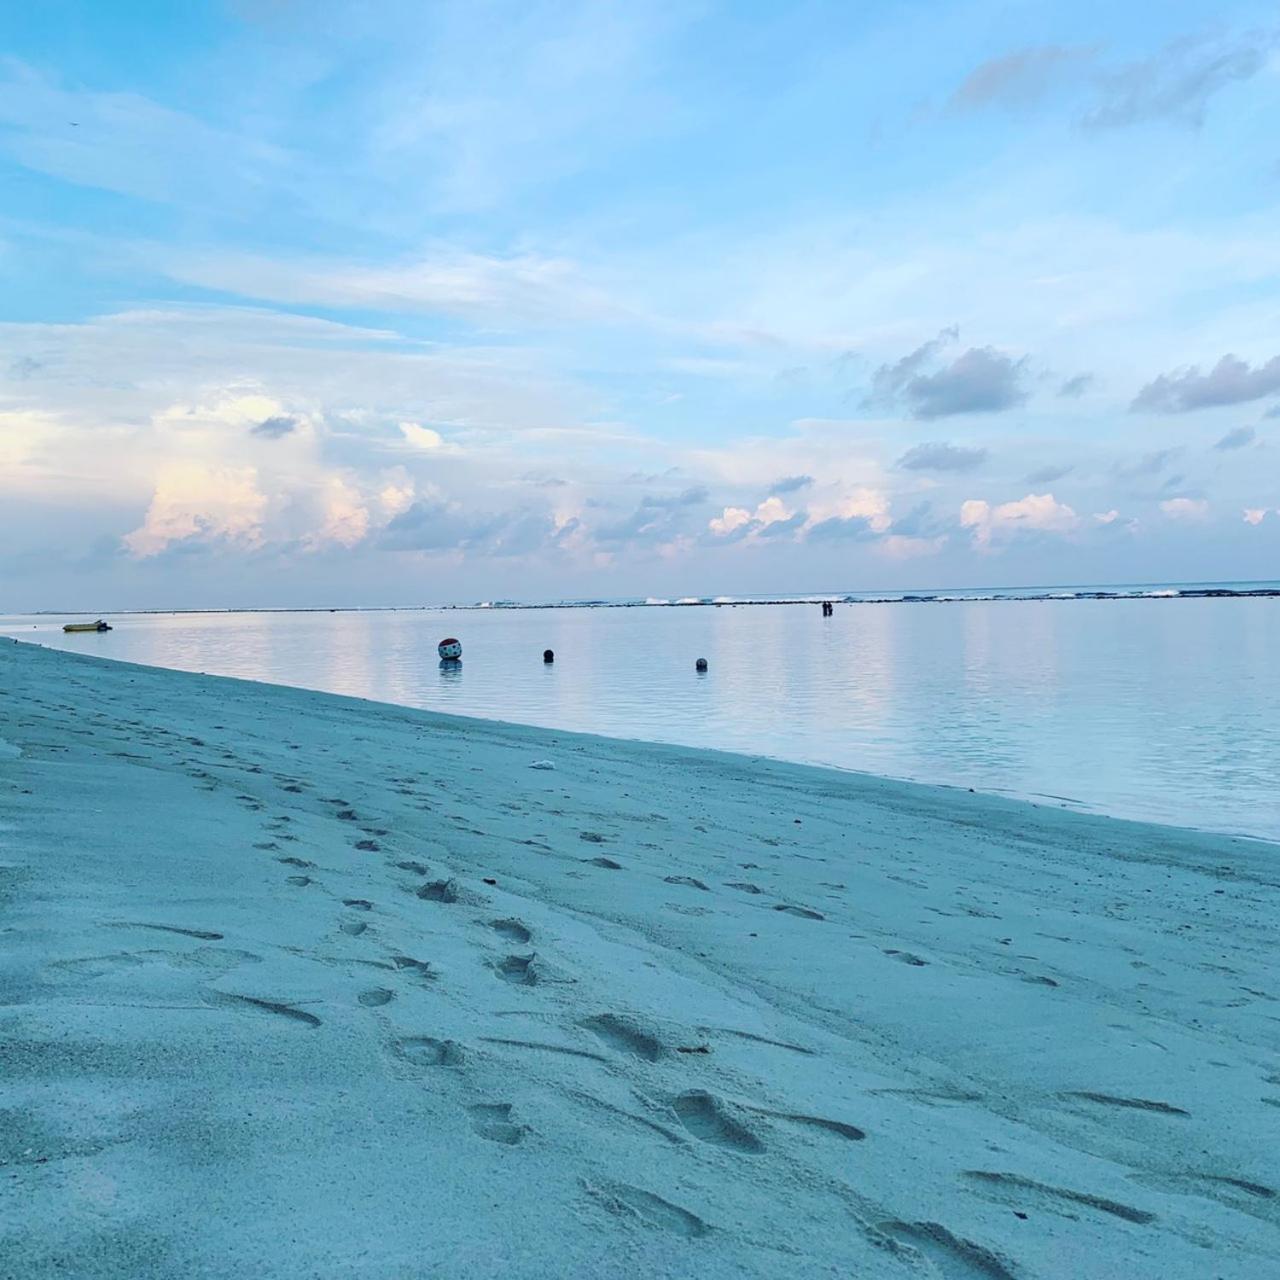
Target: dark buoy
548, 655
449, 649
700, 665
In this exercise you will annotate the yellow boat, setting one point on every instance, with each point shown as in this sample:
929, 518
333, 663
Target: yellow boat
88, 626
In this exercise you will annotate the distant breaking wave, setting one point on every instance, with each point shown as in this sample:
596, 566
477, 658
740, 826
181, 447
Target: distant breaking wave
1189, 592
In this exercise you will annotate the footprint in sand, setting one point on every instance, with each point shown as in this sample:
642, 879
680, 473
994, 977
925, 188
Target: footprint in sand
427, 1051
358, 904
353, 928
706, 1117
512, 930
625, 1036
518, 970
376, 997
803, 912
419, 968
906, 957
492, 1120
439, 891
653, 1210
952, 1257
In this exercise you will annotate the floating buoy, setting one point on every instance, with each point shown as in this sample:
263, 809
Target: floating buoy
548, 655
450, 650
700, 665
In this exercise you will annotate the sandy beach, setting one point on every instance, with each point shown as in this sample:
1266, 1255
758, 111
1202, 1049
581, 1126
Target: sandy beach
296, 985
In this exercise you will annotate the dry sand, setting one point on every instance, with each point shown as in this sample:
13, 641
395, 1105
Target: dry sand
294, 985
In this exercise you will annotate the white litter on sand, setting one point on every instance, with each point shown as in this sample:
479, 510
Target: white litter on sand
302, 986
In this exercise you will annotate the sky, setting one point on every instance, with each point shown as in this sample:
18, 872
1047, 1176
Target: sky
306, 302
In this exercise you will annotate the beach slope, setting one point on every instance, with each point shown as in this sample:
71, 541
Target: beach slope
294, 985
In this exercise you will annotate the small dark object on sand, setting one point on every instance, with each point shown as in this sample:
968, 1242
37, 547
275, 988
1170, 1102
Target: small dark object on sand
548, 656
700, 665
693, 1048
488, 881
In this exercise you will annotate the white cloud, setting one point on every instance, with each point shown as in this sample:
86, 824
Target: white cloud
859, 503
1106, 517
771, 510
194, 501
1040, 513
1189, 509
1254, 515
345, 520
732, 518
421, 437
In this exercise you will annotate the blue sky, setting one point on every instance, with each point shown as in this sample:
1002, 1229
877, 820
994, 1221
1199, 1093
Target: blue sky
327, 303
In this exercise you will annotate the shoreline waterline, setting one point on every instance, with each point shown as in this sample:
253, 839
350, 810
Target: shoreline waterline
519, 730
1124, 708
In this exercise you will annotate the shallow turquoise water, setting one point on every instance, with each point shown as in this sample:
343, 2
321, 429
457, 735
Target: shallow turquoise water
1167, 709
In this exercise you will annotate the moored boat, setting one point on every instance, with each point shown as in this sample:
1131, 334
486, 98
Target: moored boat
87, 626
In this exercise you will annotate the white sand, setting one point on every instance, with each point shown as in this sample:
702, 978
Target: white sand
295, 985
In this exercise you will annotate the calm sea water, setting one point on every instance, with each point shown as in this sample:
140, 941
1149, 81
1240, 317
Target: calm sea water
1165, 709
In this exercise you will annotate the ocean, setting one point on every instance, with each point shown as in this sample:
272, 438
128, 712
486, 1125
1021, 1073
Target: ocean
1137, 702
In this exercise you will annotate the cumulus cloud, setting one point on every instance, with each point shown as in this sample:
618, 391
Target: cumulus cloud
275, 427
981, 380
421, 437
345, 518
195, 503
941, 457
1230, 381
1254, 515
771, 519
1237, 438
1106, 517
729, 520
1036, 513
1188, 509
